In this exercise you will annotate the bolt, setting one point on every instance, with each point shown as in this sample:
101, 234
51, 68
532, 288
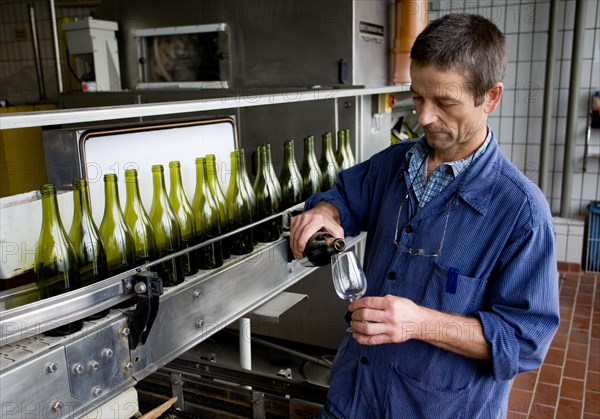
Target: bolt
199, 323
56, 406
128, 286
347, 104
94, 365
107, 353
51, 367
125, 332
77, 369
197, 293
96, 391
140, 288
129, 366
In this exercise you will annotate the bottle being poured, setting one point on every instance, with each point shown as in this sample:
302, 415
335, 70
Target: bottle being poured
320, 248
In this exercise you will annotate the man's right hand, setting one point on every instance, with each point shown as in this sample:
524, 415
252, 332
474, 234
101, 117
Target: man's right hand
304, 226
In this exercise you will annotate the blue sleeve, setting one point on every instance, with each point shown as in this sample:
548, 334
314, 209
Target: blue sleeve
350, 195
522, 312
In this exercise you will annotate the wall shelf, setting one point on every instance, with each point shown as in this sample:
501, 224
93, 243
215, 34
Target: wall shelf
74, 116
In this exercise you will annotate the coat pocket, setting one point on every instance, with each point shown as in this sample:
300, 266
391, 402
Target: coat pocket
408, 398
465, 297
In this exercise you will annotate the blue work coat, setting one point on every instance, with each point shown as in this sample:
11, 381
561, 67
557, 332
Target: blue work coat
499, 237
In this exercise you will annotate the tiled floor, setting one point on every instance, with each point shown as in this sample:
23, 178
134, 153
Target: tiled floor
567, 385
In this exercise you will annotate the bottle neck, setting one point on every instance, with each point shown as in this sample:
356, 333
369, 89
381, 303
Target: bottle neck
327, 147
309, 150
243, 173
50, 212
262, 162
158, 184
112, 206
200, 176
132, 189
176, 185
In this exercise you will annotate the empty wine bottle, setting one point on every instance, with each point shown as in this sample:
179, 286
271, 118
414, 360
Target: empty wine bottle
166, 230
138, 221
328, 163
247, 189
240, 210
342, 157
207, 220
87, 242
312, 177
348, 144
86, 239
116, 235
56, 268
183, 211
217, 193
272, 174
320, 247
267, 202
290, 177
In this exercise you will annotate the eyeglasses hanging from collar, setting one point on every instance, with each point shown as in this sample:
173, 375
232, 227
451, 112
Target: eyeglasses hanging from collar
422, 251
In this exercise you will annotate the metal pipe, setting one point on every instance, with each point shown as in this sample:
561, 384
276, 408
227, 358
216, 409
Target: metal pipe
57, 63
36, 52
543, 182
300, 355
571, 137
245, 344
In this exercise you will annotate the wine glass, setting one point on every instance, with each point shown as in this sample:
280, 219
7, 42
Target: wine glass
349, 278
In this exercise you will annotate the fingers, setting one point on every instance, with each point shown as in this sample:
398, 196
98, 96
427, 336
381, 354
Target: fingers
305, 225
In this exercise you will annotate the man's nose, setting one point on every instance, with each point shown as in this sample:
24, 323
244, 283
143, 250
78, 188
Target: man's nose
427, 114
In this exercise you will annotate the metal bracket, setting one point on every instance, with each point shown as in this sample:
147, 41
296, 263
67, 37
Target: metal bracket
177, 390
148, 289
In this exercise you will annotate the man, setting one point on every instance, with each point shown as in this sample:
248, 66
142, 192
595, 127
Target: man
462, 277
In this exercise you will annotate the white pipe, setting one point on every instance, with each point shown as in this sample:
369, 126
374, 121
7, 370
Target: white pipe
59, 80
245, 344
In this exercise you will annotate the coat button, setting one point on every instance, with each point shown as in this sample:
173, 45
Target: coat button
364, 360
408, 228
391, 275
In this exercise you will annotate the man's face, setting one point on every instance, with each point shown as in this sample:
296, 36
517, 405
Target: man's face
452, 123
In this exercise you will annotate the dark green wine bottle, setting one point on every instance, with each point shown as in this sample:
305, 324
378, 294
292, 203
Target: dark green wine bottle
217, 193
272, 174
56, 268
290, 177
312, 177
247, 188
208, 223
328, 163
116, 235
320, 247
87, 242
138, 221
341, 156
166, 231
183, 211
267, 202
240, 210
348, 144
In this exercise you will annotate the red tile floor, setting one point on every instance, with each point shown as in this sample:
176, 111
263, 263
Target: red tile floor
567, 385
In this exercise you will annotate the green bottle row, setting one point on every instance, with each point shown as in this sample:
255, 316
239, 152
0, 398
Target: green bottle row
132, 237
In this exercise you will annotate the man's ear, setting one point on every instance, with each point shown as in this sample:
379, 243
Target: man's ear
492, 97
